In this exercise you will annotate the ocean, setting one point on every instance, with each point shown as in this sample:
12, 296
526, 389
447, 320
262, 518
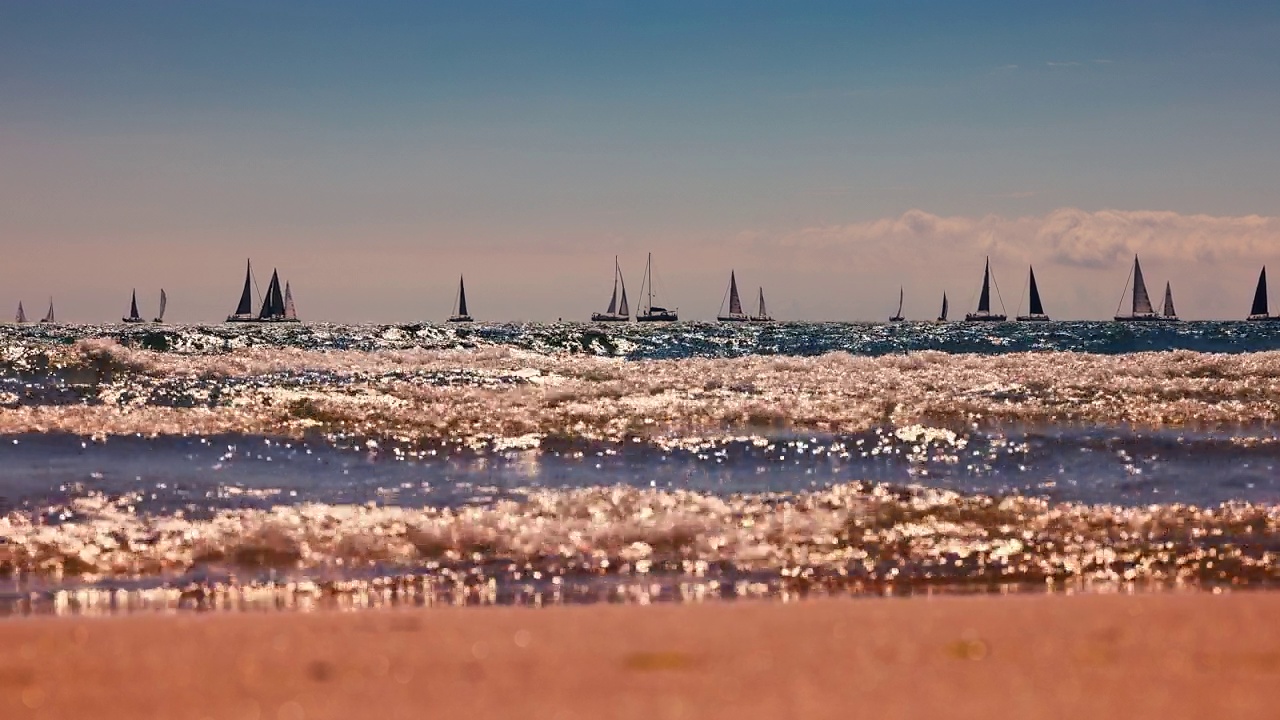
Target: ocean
292, 467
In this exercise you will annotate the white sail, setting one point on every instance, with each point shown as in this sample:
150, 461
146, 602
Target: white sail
290, 313
763, 312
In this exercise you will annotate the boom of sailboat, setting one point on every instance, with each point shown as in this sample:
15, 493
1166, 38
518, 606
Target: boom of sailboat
276, 305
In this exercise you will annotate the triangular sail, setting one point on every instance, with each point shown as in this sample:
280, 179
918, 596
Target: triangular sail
735, 304
290, 313
22, 314
1036, 307
943, 314
273, 304
48, 317
246, 297
1260, 295
462, 297
763, 311
899, 313
984, 301
613, 299
623, 308
133, 307
164, 300
1168, 301
1141, 300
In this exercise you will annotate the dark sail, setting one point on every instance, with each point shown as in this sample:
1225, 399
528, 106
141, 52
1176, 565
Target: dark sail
462, 298
1036, 308
984, 302
763, 312
623, 308
273, 305
1168, 301
1141, 300
943, 315
246, 298
133, 307
735, 304
1260, 295
613, 299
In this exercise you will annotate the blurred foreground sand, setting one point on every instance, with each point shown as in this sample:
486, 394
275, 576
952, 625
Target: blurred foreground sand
1094, 657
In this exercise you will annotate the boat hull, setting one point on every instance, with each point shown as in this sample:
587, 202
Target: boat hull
896, 319
658, 317
609, 317
255, 319
762, 318
132, 320
1263, 318
1033, 318
1145, 318
974, 317
461, 319
733, 318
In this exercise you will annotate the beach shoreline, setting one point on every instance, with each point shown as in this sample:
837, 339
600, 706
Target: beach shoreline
1027, 656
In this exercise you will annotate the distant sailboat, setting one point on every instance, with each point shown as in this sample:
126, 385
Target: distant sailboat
735, 304
763, 315
1036, 313
617, 312
134, 317
984, 313
460, 304
651, 312
273, 304
290, 312
942, 316
48, 317
1259, 309
897, 317
1141, 310
1169, 313
164, 300
21, 317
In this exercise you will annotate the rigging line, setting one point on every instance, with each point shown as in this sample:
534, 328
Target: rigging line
1025, 286
1003, 310
724, 298
256, 289
1124, 292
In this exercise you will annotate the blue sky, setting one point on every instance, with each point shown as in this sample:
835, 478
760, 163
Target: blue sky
375, 150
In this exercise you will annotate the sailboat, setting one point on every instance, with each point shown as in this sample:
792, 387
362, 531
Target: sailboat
617, 312
21, 317
763, 315
897, 317
1259, 309
134, 317
460, 304
651, 312
1141, 310
984, 313
1036, 313
942, 316
735, 304
48, 317
1169, 313
290, 312
164, 300
273, 304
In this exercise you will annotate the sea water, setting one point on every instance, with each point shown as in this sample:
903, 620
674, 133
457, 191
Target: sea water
318, 465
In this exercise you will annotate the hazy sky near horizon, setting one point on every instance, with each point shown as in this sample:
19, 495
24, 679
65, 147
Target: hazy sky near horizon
830, 151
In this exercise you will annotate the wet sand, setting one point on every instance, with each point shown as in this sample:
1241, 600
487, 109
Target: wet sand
1095, 657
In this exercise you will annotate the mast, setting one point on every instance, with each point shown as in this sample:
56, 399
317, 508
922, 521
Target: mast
648, 273
462, 297
246, 297
290, 313
735, 304
1168, 301
984, 301
1036, 307
1260, 295
133, 307
1141, 300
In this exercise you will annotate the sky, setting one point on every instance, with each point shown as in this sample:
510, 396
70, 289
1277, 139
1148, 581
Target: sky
830, 152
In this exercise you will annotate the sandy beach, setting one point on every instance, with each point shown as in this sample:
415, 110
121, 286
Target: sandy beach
1096, 656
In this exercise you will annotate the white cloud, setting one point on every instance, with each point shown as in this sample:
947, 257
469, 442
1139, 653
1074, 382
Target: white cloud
1069, 63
